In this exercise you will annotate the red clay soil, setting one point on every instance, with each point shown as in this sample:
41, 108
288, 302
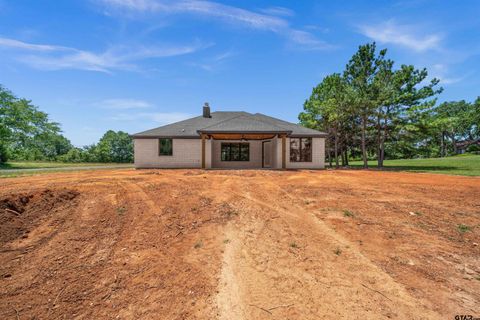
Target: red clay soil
187, 244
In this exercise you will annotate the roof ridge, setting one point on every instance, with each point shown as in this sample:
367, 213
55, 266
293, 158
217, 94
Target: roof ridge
220, 122
247, 115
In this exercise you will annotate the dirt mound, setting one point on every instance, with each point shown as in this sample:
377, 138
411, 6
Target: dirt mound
20, 212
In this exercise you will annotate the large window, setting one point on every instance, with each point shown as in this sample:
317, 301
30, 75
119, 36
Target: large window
165, 147
301, 149
235, 152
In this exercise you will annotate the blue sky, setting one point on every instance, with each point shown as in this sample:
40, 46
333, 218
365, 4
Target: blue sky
132, 65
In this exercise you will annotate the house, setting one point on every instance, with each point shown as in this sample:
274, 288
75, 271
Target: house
462, 146
230, 140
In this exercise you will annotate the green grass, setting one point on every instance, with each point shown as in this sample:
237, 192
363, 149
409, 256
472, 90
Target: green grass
347, 213
462, 228
465, 165
28, 168
44, 164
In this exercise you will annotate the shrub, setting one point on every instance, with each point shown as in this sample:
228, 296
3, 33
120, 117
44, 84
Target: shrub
473, 148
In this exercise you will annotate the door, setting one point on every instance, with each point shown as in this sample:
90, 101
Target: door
266, 154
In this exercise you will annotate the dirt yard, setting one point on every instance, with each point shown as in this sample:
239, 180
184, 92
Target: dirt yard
187, 244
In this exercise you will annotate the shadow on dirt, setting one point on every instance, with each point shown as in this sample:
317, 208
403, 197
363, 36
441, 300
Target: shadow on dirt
19, 213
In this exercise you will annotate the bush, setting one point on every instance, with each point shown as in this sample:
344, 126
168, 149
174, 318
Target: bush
73, 155
473, 148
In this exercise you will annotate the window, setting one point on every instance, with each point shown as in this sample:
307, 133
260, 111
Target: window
301, 149
165, 147
235, 152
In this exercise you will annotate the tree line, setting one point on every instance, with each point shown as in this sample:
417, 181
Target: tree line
373, 110
26, 133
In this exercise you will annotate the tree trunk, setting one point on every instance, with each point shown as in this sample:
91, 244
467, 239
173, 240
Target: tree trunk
442, 145
364, 142
336, 150
454, 144
329, 155
379, 141
382, 138
381, 148
382, 154
346, 149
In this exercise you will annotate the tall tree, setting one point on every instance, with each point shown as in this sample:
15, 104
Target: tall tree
360, 75
328, 105
25, 131
403, 101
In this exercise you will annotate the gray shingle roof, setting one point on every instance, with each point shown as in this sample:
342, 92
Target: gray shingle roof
228, 121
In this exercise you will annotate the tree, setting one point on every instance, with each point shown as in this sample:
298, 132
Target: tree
114, 147
389, 108
456, 120
403, 102
328, 105
475, 116
360, 75
26, 132
6, 101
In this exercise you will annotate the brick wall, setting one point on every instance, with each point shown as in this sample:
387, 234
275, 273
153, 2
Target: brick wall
318, 155
187, 153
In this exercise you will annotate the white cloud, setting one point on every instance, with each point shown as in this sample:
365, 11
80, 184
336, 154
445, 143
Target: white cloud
408, 36
123, 104
307, 40
160, 118
210, 64
233, 15
441, 71
278, 11
12, 43
51, 57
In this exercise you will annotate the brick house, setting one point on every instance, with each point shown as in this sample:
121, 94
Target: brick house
230, 140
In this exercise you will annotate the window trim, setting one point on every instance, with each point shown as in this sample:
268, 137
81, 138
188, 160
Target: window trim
239, 151
300, 149
160, 154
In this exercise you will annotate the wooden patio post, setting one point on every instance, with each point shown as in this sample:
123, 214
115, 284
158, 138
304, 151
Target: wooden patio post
203, 151
284, 152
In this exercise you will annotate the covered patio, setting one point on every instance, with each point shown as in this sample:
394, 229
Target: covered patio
244, 150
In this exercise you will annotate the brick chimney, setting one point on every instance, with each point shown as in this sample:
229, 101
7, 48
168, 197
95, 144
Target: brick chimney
206, 111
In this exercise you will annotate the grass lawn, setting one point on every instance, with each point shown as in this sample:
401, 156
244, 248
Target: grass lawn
22, 168
465, 165
15, 165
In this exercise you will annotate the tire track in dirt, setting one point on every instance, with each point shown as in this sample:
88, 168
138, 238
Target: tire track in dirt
229, 298
389, 298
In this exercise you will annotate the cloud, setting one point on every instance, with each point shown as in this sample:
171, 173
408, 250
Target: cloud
278, 11
307, 40
441, 71
269, 21
123, 104
407, 36
52, 57
12, 43
212, 63
161, 118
